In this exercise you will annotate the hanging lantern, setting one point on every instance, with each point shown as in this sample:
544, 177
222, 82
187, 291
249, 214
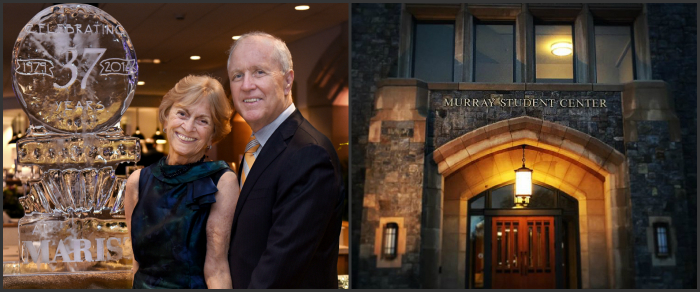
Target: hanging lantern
137, 133
391, 235
158, 136
523, 184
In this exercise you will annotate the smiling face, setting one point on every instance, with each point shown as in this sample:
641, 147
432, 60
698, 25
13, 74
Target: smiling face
190, 131
259, 88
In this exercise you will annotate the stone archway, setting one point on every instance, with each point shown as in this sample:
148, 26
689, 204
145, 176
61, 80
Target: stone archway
567, 159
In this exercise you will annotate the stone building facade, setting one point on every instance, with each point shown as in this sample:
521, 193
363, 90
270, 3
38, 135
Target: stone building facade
426, 154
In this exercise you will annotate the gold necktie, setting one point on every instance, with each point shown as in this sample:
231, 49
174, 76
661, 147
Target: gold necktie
250, 148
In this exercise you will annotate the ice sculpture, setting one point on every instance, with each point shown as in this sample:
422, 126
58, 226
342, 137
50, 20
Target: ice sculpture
74, 72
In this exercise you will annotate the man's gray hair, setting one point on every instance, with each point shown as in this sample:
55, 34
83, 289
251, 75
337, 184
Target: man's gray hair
281, 50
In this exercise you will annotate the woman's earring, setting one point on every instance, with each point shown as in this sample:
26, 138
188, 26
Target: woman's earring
208, 147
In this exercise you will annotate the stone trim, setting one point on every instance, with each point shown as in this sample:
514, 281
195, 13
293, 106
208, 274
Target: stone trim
581, 147
648, 101
401, 243
673, 244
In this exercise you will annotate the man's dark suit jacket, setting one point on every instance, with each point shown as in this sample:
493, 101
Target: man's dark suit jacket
287, 222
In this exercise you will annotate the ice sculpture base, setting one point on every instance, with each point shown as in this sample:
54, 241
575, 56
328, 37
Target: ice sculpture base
53, 243
11, 279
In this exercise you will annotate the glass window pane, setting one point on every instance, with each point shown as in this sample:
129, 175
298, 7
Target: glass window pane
613, 54
434, 52
503, 197
494, 53
554, 54
478, 203
541, 197
476, 246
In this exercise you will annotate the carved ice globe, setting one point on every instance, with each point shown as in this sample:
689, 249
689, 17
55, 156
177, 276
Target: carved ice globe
74, 69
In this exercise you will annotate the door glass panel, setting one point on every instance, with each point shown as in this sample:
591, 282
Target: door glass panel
498, 244
516, 251
546, 243
507, 249
476, 237
529, 246
538, 245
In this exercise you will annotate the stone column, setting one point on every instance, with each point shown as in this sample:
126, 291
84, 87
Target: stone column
584, 34
463, 62
524, 41
655, 159
394, 183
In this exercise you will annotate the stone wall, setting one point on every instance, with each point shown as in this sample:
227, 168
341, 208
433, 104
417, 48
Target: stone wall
375, 49
605, 124
673, 47
656, 189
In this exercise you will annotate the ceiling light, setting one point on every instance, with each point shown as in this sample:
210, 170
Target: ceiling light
236, 37
141, 82
302, 7
562, 49
195, 57
156, 61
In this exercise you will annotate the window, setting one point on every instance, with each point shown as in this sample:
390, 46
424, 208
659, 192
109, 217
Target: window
434, 51
390, 240
554, 54
614, 51
662, 248
494, 52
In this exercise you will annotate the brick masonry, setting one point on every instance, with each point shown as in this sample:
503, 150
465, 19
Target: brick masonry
375, 48
673, 47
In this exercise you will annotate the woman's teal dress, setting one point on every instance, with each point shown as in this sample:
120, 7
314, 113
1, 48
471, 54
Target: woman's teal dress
168, 225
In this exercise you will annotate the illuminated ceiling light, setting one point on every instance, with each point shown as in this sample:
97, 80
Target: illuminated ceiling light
158, 136
523, 185
562, 49
141, 82
236, 37
195, 57
302, 7
156, 61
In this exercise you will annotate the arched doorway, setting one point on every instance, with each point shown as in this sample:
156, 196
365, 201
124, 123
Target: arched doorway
536, 247
562, 158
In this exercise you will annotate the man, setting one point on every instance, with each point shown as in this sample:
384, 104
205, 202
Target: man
287, 221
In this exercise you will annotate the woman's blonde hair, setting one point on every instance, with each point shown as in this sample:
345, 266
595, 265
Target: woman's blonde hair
192, 89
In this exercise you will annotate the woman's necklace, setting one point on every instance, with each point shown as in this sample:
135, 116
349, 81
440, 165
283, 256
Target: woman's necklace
179, 171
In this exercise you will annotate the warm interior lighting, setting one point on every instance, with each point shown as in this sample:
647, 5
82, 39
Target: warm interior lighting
195, 57
562, 49
391, 232
523, 184
158, 136
156, 61
302, 7
141, 82
236, 37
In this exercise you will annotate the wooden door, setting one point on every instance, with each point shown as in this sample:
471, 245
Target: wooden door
523, 252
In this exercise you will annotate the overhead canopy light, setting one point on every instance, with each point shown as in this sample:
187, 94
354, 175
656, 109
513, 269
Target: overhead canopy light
302, 7
195, 57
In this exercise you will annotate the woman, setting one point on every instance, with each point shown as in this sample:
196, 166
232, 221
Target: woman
180, 210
